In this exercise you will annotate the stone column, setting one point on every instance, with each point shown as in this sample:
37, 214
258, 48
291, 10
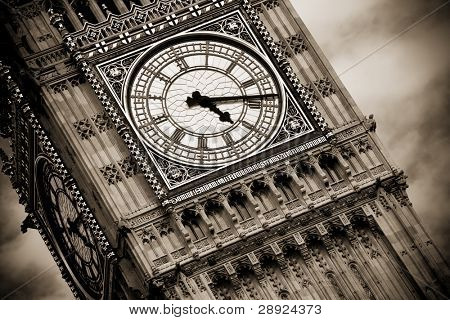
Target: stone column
72, 15
121, 6
96, 10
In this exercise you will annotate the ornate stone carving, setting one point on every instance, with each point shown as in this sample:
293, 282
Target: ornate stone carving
231, 25
84, 128
283, 49
111, 174
102, 122
117, 71
128, 166
362, 144
297, 43
325, 87
294, 124
177, 174
271, 4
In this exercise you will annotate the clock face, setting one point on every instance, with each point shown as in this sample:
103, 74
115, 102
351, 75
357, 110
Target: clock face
74, 239
204, 102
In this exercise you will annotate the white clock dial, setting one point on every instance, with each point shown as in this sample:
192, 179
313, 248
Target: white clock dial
204, 102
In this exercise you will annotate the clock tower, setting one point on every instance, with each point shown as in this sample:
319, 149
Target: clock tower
202, 149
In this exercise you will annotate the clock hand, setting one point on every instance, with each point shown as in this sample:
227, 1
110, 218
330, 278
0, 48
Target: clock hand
231, 98
192, 102
206, 102
74, 228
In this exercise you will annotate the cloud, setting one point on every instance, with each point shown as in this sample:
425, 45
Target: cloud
405, 85
25, 255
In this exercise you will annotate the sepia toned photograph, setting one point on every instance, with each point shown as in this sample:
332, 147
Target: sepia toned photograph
224, 150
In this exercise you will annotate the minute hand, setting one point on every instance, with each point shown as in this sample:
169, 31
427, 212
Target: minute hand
216, 99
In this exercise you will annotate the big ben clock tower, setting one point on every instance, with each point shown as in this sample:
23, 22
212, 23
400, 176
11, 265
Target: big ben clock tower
202, 149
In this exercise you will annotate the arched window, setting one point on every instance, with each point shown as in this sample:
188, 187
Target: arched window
156, 248
262, 194
191, 221
308, 174
169, 238
349, 155
283, 182
366, 152
239, 201
330, 165
215, 212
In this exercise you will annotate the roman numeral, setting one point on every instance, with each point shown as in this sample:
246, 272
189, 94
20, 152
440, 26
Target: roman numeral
178, 135
228, 139
231, 67
202, 143
248, 125
248, 83
147, 97
160, 119
254, 103
207, 53
182, 64
252, 127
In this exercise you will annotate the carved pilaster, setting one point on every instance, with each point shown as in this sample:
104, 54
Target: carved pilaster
233, 277
325, 238
304, 251
269, 181
281, 260
256, 266
348, 229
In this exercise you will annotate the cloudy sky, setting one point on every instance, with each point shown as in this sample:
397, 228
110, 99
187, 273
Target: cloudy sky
405, 85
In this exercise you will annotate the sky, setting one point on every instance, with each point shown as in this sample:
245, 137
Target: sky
405, 85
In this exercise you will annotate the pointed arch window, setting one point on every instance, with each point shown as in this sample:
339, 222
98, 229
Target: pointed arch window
239, 202
170, 238
284, 184
308, 174
330, 165
262, 194
191, 221
216, 212
157, 250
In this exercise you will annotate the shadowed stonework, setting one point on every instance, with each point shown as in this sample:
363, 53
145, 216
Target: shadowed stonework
302, 202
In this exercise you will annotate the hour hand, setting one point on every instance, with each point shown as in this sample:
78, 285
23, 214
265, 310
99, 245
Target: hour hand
191, 102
